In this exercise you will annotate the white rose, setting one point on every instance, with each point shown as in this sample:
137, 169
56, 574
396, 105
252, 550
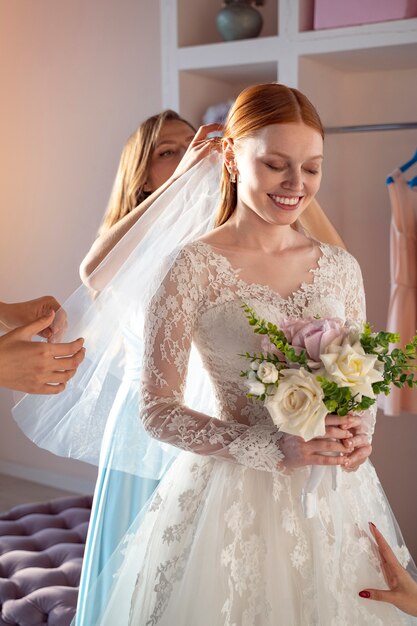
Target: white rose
255, 387
267, 372
349, 366
297, 405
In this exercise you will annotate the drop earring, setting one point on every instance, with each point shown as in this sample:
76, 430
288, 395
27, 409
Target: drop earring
232, 172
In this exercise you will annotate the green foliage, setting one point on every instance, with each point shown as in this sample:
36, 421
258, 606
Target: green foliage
398, 366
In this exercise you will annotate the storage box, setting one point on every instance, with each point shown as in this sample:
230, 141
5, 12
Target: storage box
336, 13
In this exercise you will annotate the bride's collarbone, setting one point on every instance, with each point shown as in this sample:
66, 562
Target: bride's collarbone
284, 272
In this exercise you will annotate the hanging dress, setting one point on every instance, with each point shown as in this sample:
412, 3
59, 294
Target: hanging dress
402, 310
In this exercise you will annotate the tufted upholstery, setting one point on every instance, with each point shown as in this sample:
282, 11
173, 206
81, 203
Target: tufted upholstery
41, 550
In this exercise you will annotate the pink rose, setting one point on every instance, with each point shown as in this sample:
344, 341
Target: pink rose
314, 335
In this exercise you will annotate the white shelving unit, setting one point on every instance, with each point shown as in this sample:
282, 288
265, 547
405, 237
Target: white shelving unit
219, 69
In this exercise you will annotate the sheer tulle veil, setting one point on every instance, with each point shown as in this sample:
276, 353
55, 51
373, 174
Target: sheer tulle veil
73, 423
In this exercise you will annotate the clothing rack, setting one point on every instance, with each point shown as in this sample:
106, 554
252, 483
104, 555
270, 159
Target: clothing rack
366, 128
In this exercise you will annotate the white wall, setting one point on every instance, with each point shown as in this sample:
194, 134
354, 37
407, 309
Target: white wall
77, 77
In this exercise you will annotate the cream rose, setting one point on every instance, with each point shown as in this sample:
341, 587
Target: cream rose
349, 366
267, 372
297, 405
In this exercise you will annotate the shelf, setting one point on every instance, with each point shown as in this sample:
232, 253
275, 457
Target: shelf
226, 54
369, 59
359, 48
197, 21
383, 34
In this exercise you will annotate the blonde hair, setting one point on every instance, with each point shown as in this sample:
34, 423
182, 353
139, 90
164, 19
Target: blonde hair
256, 107
133, 171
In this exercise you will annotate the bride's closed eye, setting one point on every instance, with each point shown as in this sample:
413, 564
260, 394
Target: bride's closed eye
276, 168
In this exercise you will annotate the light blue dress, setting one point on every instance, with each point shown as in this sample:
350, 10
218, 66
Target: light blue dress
119, 495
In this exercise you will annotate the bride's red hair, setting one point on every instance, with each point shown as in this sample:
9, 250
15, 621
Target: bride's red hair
256, 107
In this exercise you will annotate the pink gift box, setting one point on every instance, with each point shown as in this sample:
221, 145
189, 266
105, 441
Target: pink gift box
335, 13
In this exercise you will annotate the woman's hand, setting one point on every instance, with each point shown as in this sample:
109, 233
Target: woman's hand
402, 591
23, 313
358, 445
321, 450
32, 366
199, 148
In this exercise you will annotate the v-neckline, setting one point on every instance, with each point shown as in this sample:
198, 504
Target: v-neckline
303, 287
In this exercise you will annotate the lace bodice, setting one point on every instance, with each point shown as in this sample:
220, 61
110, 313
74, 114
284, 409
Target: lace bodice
200, 302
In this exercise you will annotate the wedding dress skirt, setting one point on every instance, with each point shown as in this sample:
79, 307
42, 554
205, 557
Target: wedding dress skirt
222, 545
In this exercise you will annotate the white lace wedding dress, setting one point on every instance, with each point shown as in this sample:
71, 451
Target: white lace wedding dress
225, 542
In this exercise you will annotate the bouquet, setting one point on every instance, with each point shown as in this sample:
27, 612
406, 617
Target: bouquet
314, 366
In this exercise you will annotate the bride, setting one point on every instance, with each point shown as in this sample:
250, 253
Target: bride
223, 540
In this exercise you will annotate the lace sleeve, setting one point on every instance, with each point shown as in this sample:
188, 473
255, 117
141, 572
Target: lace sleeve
169, 327
355, 306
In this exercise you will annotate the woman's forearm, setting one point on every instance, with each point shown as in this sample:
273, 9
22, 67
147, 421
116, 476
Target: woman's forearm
107, 241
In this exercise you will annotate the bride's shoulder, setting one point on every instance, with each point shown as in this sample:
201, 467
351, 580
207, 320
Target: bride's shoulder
192, 257
340, 257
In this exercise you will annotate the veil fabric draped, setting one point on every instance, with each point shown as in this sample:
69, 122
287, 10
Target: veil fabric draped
73, 423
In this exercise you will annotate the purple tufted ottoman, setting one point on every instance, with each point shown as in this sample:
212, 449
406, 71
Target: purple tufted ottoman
41, 550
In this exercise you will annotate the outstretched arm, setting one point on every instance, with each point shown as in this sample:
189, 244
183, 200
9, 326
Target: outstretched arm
402, 589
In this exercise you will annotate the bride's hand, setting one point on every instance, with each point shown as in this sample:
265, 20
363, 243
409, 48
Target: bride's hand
322, 450
358, 445
199, 148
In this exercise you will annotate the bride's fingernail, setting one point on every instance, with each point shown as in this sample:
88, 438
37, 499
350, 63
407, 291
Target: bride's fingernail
364, 594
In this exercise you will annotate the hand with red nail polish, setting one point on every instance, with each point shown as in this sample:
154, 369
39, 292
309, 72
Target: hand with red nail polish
402, 591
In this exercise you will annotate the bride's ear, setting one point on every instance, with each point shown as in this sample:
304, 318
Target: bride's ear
228, 152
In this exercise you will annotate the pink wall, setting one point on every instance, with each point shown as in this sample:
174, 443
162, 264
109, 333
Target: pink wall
76, 79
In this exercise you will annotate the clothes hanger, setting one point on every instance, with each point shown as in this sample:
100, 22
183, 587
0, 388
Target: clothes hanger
404, 168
